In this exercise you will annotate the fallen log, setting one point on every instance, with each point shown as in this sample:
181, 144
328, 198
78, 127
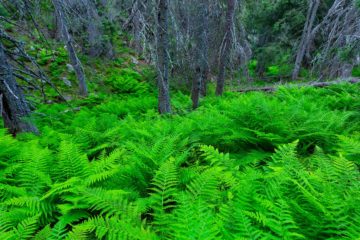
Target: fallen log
310, 84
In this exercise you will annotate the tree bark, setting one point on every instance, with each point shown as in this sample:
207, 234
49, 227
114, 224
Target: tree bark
94, 33
225, 48
306, 36
14, 107
163, 57
201, 56
57, 30
138, 26
74, 60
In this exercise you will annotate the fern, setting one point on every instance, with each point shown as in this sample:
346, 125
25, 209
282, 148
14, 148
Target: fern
206, 185
44, 233
71, 162
250, 166
109, 228
104, 168
26, 228
113, 202
164, 189
281, 222
194, 220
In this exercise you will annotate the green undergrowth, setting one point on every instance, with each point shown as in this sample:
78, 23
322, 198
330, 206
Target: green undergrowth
244, 166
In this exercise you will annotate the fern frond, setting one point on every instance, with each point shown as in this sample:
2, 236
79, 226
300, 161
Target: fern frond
10, 219
58, 232
164, 189
111, 229
166, 179
60, 188
104, 168
43, 234
281, 222
194, 219
26, 228
345, 170
350, 147
206, 185
8, 191
111, 202
353, 230
71, 162
213, 156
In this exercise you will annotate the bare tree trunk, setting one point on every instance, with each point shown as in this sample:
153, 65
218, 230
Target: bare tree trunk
138, 26
13, 104
205, 69
163, 57
74, 60
93, 30
57, 31
346, 70
306, 36
225, 48
201, 69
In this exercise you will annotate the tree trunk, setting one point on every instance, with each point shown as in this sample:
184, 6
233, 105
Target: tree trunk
57, 30
306, 36
225, 48
163, 57
14, 107
74, 60
138, 26
201, 56
94, 33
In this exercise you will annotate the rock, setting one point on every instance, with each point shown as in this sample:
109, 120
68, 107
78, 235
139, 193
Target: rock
70, 68
66, 82
67, 98
134, 60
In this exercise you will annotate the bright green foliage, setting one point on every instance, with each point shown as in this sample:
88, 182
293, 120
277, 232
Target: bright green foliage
127, 81
356, 70
251, 166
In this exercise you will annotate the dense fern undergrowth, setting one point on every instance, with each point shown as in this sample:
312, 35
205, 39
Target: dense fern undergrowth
244, 166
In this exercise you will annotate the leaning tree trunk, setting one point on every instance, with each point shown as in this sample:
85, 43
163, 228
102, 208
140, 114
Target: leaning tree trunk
13, 106
163, 57
201, 61
225, 48
306, 36
74, 60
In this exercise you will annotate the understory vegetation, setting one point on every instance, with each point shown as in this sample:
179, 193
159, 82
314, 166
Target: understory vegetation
179, 120
246, 166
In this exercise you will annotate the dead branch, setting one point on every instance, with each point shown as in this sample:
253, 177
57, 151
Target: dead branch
312, 84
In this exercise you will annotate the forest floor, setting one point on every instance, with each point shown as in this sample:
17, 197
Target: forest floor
281, 165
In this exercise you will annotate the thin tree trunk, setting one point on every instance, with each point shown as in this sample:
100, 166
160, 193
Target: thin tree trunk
306, 36
201, 69
74, 60
94, 34
260, 66
225, 48
138, 26
163, 58
14, 107
57, 31
205, 71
